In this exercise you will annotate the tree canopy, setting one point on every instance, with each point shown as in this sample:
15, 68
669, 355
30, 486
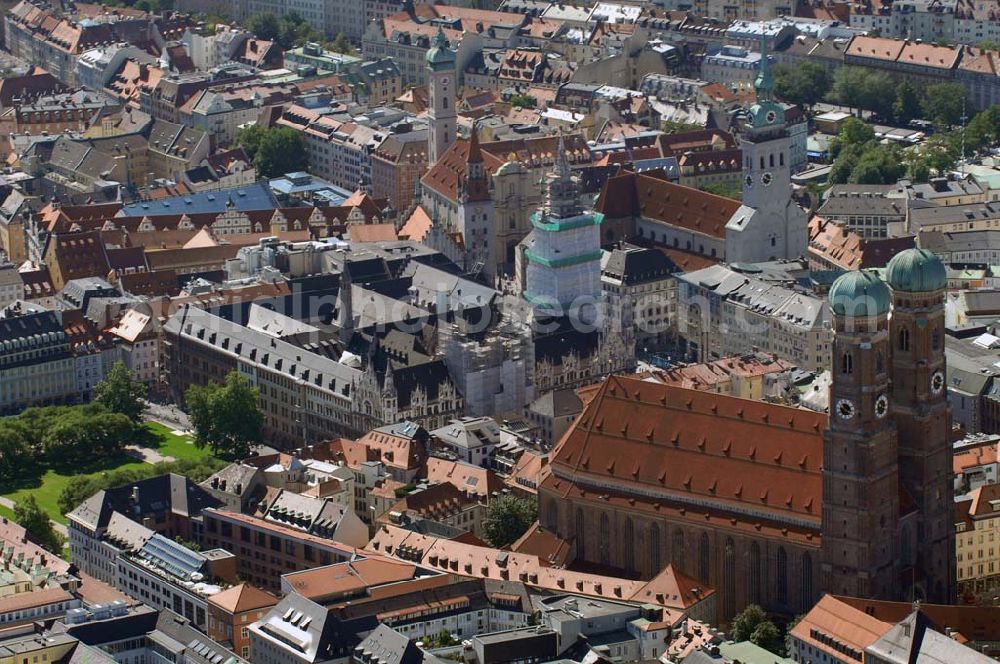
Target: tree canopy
119, 392
226, 416
507, 518
33, 518
275, 151
290, 30
804, 84
82, 487
752, 624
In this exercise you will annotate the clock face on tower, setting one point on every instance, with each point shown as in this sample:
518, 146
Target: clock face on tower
766, 179
937, 382
771, 117
445, 80
845, 409
881, 406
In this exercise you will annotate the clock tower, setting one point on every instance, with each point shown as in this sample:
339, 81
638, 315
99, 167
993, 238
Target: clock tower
923, 420
441, 88
770, 225
860, 470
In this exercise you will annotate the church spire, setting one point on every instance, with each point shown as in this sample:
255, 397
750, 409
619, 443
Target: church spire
764, 85
562, 191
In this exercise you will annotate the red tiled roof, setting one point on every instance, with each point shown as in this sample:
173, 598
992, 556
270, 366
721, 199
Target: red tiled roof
664, 440
641, 194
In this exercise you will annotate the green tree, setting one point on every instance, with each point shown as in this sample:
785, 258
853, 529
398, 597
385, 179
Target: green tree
853, 132
342, 45
120, 393
674, 127
16, 452
265, 25
281, 150
82, 434
768, 636
507, 518
849, 87
34, 519
249, 139
906, 107
746, 621
988, 45
805, 84
945, 103
522, 100
226, 416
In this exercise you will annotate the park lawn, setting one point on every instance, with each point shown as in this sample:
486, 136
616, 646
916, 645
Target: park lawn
49, 485
6, 512
164, 441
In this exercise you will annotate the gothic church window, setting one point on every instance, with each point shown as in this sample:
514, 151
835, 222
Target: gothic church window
629, 544
756, 574
605, 540
580, 536
904, 339
655, 561
703, 559
781, 582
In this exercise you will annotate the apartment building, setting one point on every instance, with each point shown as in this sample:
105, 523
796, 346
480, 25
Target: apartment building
37, 366
723, 312
397, 164
977, 542
266, 549
232, 611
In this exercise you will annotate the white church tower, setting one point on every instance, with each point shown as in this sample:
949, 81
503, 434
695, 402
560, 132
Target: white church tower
441, 88
769, 225
562, 254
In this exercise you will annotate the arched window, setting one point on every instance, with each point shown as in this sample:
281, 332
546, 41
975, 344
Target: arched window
904, 339
604, 544
879, 362
729, 578
781, 577
629, 544
703, 559
807, 582
781, 158
904, 544
756, 574
581, 551
655, 558
762, 161
552, 516
771, 160
936, 340
676, 243
677, 549
847, 364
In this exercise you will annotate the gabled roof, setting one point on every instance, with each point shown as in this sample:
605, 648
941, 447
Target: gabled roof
734, 454
647, 196
242, 598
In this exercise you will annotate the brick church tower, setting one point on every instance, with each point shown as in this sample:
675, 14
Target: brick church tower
923, 422
860, 465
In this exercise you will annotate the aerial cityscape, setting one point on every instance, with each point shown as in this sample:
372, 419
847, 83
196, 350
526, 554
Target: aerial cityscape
500, 332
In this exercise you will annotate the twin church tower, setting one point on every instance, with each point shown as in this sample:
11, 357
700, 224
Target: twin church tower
887, 470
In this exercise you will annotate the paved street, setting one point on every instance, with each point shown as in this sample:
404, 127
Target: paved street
168, 415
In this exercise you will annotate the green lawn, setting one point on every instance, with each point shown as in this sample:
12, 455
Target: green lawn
47, 486
163, 440
48, 483
6, 513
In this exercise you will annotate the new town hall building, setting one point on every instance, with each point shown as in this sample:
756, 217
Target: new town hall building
776, 505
